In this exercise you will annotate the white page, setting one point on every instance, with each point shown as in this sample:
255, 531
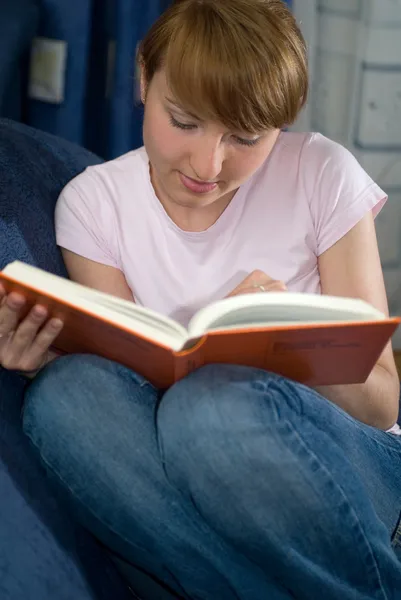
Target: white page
279, 308
121, 312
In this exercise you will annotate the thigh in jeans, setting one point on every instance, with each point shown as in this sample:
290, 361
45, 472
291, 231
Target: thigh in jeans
93, 423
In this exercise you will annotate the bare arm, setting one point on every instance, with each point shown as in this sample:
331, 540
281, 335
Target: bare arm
96, 276
352, 268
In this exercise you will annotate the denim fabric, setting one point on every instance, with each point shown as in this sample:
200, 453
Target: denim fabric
234, 484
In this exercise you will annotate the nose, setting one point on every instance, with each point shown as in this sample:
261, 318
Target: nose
207, 157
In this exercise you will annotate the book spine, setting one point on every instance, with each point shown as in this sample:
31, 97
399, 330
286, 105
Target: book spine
189, 360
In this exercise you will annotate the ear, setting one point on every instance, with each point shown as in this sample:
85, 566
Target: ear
143, 82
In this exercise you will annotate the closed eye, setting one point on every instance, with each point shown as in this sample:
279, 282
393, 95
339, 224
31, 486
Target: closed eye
192, 126
179, 125
246, 142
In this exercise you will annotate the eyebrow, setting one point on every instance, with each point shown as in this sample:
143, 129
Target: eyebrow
177, 105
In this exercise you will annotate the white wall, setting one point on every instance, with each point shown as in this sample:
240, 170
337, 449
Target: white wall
355, 62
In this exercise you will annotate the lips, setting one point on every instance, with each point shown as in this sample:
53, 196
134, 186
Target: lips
197, 187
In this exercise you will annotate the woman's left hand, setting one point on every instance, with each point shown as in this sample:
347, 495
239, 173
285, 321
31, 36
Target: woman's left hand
256, 283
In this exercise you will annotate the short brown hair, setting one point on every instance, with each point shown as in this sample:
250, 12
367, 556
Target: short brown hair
239, 62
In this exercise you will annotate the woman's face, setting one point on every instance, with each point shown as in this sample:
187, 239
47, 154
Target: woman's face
196, 163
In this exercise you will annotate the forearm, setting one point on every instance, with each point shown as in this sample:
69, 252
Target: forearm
374, 402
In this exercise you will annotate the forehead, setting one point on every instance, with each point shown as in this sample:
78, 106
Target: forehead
165, 93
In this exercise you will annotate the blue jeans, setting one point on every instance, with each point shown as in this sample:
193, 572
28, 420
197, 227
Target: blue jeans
234, 484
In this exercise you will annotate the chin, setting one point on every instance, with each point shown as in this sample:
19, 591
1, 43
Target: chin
189, 200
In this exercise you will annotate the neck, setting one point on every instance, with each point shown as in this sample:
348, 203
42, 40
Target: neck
196, 219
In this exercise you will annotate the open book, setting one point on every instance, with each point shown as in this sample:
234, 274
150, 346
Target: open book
317, 340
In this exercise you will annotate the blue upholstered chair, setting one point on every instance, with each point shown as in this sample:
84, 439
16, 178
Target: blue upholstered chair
43, 554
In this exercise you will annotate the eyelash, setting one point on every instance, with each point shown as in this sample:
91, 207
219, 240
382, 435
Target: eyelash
179, 125
188, 127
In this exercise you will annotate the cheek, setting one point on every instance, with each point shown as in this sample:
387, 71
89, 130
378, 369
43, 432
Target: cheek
160, 138
247, 162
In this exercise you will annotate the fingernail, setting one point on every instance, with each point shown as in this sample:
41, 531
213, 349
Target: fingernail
39, 311
15, 305
15, 301
56, 323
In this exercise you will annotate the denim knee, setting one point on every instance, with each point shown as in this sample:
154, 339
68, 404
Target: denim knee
210, 424
54, 398
70, 403
237, 443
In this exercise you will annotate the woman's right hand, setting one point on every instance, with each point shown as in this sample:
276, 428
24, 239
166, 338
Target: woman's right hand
25, 342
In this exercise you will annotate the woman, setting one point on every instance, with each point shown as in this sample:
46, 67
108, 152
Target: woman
235, 483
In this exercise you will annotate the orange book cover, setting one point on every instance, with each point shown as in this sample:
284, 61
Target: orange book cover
314, 354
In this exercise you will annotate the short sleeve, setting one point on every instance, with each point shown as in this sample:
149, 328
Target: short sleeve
85, 220
340, 191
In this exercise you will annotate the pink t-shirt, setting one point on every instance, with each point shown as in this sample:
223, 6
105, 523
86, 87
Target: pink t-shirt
307, 195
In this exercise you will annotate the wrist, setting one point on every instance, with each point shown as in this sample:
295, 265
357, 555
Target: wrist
51, 355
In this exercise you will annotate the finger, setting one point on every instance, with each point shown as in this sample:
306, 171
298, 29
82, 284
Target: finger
28, 329
276, 286
273, 286
10, 312
34, 357
21, 339
255, 289
258, 277
26, 356
45, 339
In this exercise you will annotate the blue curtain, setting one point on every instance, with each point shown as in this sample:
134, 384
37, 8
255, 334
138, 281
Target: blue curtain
130, 22
69, 21
18, 25
99, 108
